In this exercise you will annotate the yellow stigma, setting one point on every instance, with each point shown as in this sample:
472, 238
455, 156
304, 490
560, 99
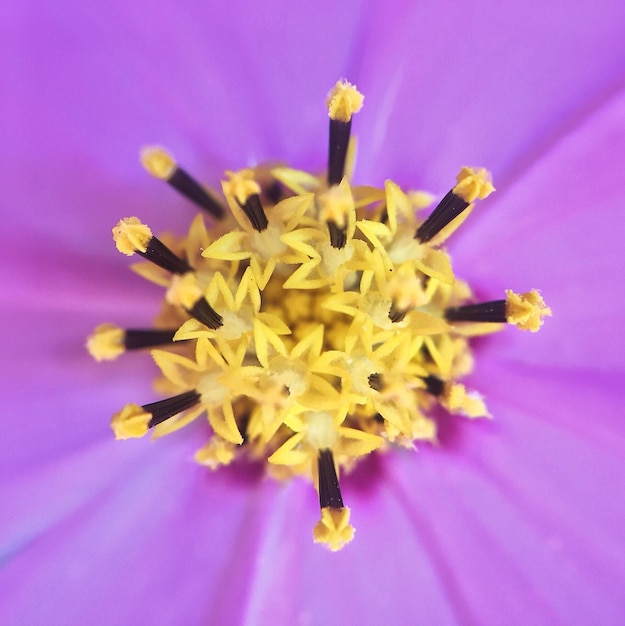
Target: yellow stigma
343, 101
106, 342
473, 184
131, 422
334, 529
158, 162
131, 236
526, 310
316, 322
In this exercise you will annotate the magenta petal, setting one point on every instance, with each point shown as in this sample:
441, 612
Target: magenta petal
58, 398
480, 85
163, 546
526, 515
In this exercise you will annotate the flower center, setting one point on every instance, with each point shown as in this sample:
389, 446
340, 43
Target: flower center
312, 323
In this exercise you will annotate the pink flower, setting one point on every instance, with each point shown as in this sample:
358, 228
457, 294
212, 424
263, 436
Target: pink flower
518, 520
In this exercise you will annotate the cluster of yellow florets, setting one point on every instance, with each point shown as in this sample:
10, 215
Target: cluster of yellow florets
310, 324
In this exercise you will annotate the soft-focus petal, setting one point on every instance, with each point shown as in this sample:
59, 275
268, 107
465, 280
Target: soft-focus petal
165, 543
479, 85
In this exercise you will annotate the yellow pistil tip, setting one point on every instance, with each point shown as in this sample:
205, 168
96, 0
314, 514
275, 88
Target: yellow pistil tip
106, 342
343, 101
473, 183
158, 162
241, 185
526, 310
131, 422
131, 236
334, 529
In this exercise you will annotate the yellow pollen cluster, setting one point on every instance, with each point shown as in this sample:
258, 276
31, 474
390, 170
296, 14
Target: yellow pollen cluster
343, 101
131, 236
323, 346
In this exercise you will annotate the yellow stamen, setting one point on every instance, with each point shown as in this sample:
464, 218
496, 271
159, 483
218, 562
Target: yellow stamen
343, 101
526, 310
131, 422
473, 183
106, 342
158, 162
333, 529
131, 236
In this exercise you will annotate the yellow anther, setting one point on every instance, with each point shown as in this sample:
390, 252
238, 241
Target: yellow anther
131, 236
333, 529
241, 185
473, 183
158, 162
526, 310
131, 422
343, 101
106, 342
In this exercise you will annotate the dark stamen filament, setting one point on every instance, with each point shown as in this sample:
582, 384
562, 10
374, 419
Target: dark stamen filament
164, 409
494, 311
329, 490
339, 141
254, 211
136, 339
448, 208
181, 181
159, 254
204, 312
